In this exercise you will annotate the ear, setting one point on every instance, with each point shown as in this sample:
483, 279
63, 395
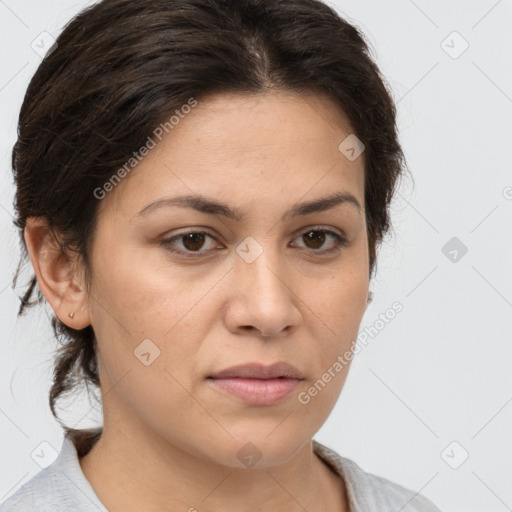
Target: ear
58, 274
369, 299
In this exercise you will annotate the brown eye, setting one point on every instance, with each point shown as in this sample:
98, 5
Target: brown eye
314, 239
193, 241
190, 243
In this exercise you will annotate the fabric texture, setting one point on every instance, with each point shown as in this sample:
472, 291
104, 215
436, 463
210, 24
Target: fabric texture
62, 486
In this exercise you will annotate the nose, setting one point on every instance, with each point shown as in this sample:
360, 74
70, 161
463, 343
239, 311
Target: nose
262, 300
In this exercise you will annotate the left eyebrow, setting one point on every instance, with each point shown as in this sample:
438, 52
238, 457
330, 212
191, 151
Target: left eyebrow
323, 204
211, 206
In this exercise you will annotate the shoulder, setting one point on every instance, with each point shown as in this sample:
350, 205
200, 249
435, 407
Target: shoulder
60, 486
39, 493
372, 493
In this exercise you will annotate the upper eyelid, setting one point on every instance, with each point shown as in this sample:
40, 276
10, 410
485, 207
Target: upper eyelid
314, 227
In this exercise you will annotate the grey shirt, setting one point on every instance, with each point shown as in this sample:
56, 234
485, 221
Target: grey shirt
62, 486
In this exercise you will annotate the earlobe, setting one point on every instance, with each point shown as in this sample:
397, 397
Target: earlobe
56, 274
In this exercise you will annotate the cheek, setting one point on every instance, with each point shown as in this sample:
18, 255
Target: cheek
145, 329
140, 297
155, 395
148, 339
336, 311
340, 301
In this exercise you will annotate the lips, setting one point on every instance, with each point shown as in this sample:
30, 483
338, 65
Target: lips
260, 371
257, 384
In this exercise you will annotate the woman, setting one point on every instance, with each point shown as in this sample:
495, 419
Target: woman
201, 187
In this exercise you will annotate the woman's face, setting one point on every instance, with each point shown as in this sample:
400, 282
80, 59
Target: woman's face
169, 314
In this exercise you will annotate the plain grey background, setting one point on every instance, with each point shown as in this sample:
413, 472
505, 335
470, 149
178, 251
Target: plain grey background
428, 401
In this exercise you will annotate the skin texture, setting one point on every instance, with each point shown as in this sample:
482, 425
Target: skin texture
170, 440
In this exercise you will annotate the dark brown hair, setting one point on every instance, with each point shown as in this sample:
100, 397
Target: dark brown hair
121, 66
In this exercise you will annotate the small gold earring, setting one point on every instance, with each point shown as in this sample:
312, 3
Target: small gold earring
71, 315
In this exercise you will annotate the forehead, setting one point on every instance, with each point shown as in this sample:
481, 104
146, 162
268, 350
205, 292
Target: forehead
247, 148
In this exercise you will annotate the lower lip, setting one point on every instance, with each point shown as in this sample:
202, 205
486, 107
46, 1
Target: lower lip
257, 391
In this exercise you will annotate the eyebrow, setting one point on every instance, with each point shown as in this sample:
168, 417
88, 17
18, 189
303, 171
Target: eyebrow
211, 206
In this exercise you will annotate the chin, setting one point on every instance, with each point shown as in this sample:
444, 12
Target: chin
259, 450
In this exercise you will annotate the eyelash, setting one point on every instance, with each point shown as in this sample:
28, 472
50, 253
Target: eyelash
340, 242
